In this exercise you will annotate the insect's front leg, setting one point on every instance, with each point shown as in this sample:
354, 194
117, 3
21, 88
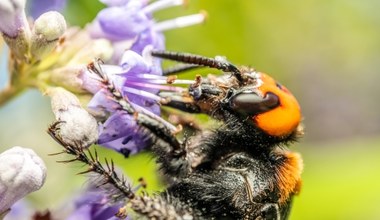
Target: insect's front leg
171, 153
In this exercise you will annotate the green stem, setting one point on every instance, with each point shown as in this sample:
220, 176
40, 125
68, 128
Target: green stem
8, 93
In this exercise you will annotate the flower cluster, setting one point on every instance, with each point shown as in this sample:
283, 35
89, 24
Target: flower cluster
30, 44
44, 52
130, 23
124, 81
138, 76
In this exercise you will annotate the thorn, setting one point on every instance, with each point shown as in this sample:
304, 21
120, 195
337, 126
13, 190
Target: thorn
56, 137
67, 161
91, 155
112, 165
96, 156
105, 181
55, 154
107, 164
85, 172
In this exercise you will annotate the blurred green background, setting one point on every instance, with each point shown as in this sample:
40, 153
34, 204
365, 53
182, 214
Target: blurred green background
326, 52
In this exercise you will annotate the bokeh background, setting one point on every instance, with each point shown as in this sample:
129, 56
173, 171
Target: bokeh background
326, 52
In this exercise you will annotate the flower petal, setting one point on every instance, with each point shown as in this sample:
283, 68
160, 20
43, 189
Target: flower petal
133, 63
121, 133
102, 101
114, 2
93, 205
149, 37
124, 23
147, 104
38, 7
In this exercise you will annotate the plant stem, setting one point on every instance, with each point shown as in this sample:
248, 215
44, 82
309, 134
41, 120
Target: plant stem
8, 93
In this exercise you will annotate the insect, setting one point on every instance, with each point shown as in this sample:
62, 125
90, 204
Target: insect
241, 169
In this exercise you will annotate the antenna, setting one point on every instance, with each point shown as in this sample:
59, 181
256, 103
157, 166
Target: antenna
199, 60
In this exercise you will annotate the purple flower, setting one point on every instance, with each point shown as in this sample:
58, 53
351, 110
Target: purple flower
124, 22
20, 210
132, 21
137, 80
38, 7
149, 37
94, 205
121, 132
133, 78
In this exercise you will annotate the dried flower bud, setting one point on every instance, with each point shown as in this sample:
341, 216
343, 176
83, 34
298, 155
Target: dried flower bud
76, 126
47, 30
21, 172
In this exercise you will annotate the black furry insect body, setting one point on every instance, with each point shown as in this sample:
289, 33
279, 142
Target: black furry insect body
238, 170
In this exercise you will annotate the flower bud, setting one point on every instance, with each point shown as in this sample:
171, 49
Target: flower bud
68, 78
21, 172
14, 26
47, 30
76, 126
13, 17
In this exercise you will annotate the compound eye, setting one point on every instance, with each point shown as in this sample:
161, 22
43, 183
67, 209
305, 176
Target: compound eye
253, 104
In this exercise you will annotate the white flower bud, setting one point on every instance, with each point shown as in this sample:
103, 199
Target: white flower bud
77, 127
21, 172
47, 30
